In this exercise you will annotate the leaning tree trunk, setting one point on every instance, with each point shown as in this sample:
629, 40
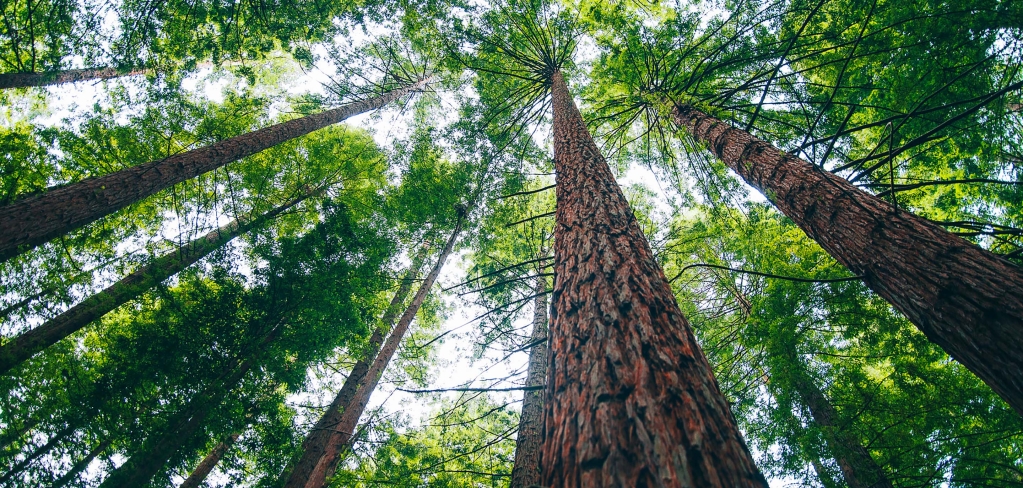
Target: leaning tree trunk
965, 299
526, 470
631, 399
19, 349
315, 443
80, 466
23, 80
33, 220
341, 437
858, 468
196, 479
37, 453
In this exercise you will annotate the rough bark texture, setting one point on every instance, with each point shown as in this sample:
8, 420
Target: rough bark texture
965, 299
315, 442
80, 466
19, 349
41, 450
526, 470
22, 80
209, 462
631, 399
341, 436
858, 467
33, 220
155, 452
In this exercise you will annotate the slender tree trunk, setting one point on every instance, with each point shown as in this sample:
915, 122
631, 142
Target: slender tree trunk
22, 80
315, 442
526, 470
19, 349
341, 437
965, 299
36, 219
81, 465
631, 399
822, 474
211, 460
158, 449
858, 468
40, 451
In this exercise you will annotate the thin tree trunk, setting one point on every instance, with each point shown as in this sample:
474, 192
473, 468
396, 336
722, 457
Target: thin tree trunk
40, 451
822, 474
22, 80
315, 442
526, 470
965, 299
631, 399
211, 460
81, 465
36, 219
858, 468
155, 452
341, 437
24, 346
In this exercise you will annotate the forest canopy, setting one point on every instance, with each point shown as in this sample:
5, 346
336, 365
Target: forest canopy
511, 243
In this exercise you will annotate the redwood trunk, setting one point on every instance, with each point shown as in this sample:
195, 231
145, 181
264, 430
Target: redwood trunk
19, 349
858, 467
631, 399
315, 443
80, 466
23, 80
967, 300
526, 470
211, 460
341, 437
34, 220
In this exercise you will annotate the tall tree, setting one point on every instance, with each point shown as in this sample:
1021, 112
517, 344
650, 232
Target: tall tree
964, 298
631, 400
342, 436
34, 220
526, 471
205, 467
21, 80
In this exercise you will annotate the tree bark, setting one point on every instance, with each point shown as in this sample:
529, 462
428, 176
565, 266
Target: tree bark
526, 470
315, 443
40, 451
858, 468
36, 219
965, 299
81, 465
19, 349
341, 437
631, 399
211, 460
23, 80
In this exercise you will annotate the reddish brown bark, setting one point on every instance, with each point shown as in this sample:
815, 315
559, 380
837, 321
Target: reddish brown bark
22, 80
631, 399
965, 299
341, 437
33, 220
81, 465
19, 349
209, 462
526, 470
315, 443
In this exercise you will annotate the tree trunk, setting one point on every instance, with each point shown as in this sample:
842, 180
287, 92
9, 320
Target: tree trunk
341, 437
211, 460
158, 448
81, 465
41, 450
315, 442
19, 349
526, 470
965, 299
631, 399
22, 80
858, 467
36, 219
